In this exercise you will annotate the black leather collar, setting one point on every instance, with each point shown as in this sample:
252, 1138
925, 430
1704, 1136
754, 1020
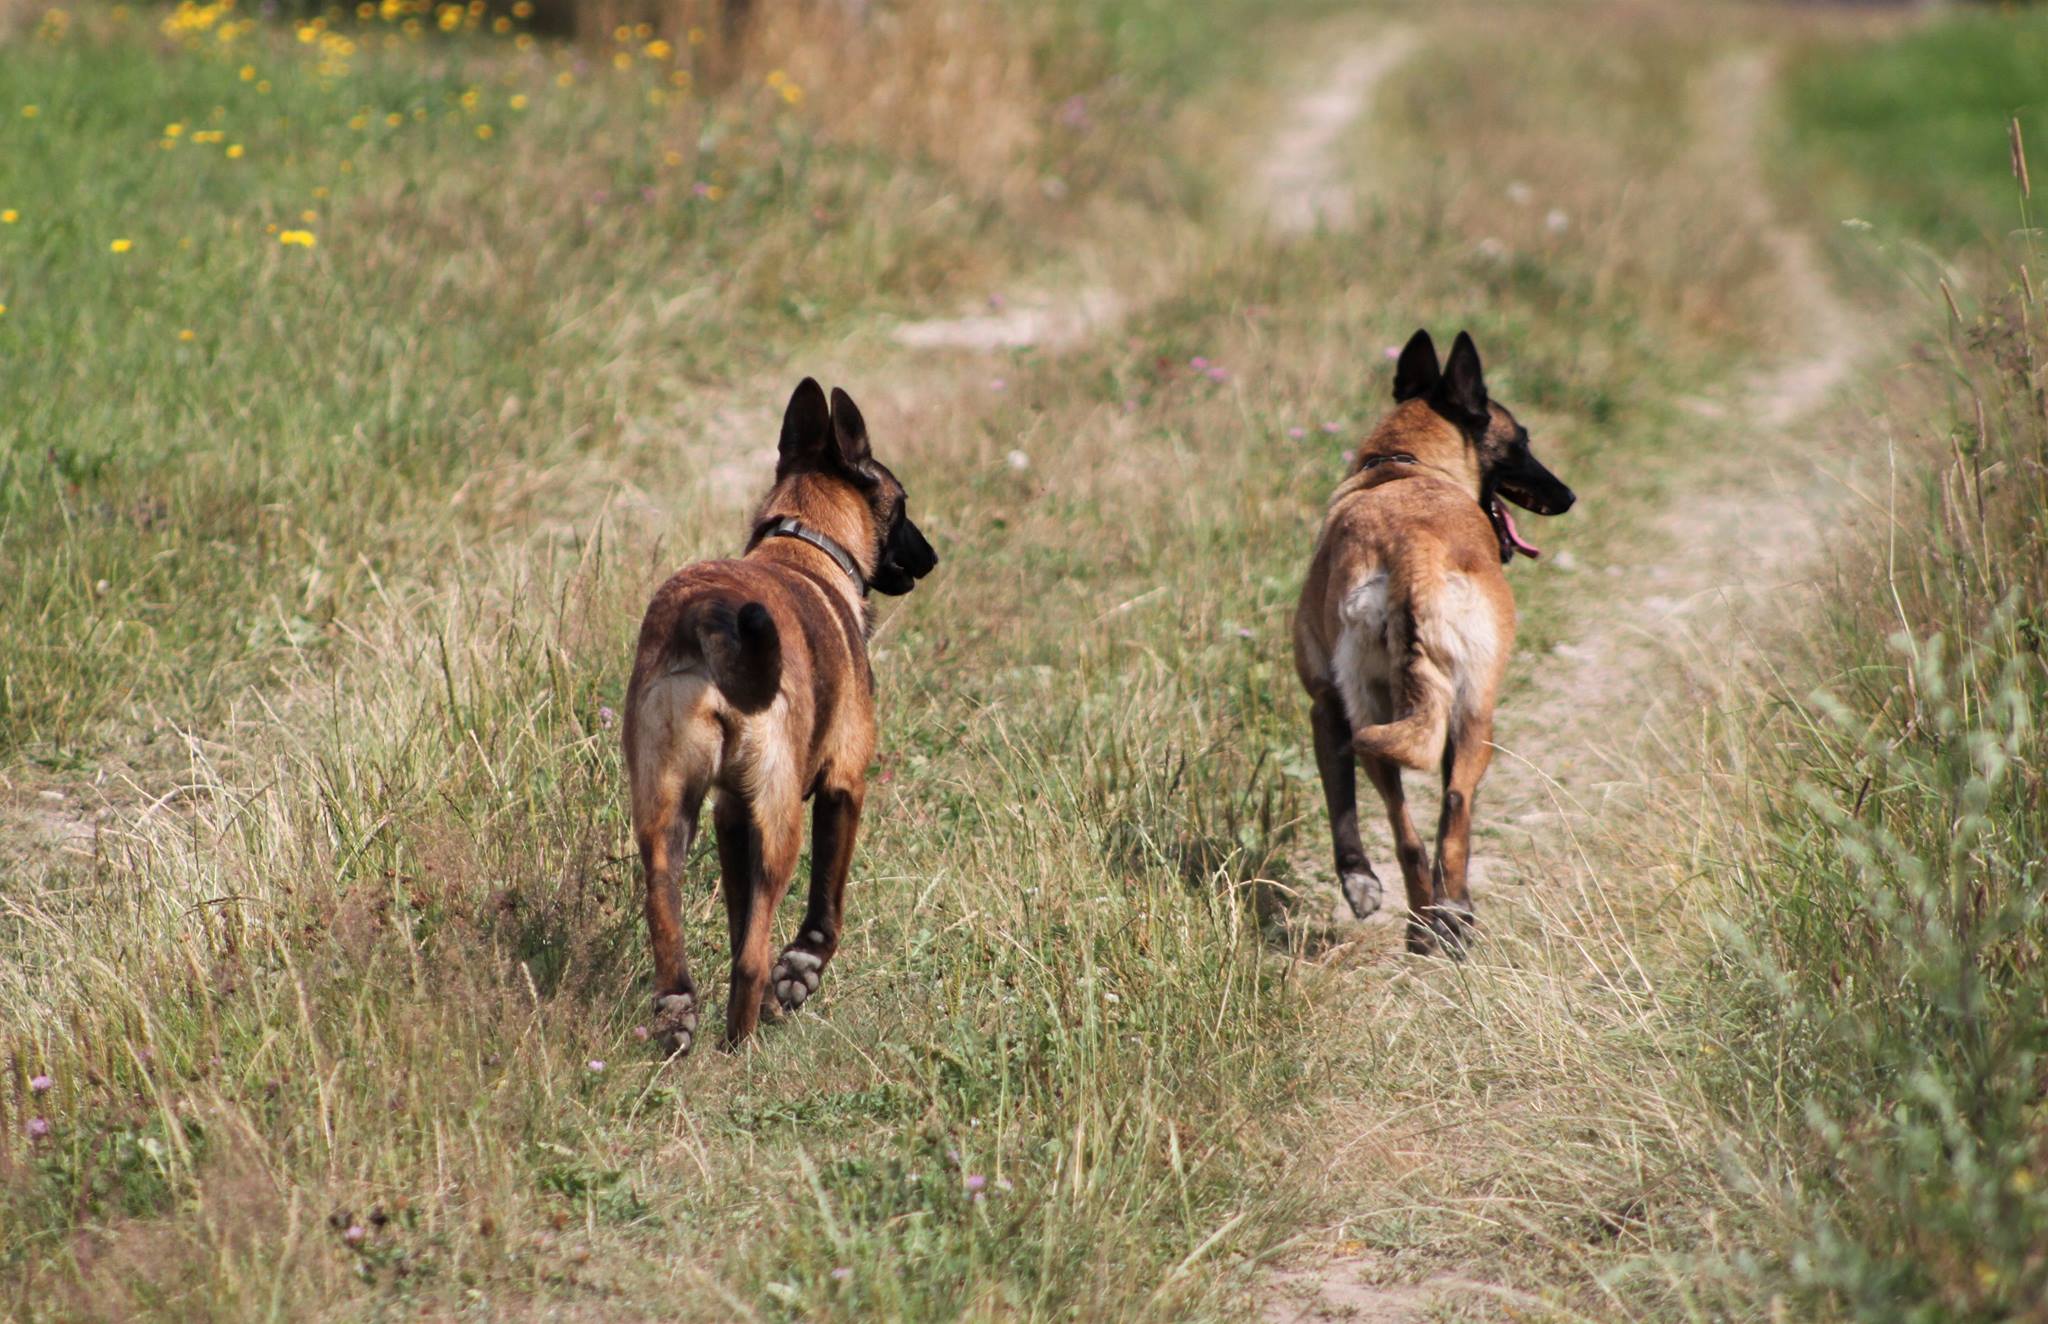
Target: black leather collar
788, 526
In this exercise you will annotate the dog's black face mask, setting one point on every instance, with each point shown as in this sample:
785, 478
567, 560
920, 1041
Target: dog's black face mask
906, 557
818, 437
1508, 469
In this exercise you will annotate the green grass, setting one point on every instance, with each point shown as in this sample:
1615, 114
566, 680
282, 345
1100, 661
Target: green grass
325, 612
1909, 133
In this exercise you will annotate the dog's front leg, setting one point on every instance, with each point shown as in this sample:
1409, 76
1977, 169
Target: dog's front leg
835, 821
758, 842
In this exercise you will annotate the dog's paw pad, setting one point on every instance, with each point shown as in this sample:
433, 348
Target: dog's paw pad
1362, 889
675, 1023
795, 977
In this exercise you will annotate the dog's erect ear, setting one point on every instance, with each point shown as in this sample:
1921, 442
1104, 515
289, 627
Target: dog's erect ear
1464, 384
851, 432
1416, 375
806, 429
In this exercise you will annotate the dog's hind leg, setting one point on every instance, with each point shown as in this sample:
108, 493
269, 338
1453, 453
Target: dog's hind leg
1385, 775
1466, 756
758, 843
665, 840
835, 820
1334, 760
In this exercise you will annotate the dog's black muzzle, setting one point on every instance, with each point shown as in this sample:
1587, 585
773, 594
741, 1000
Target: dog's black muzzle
906, 558
1532, 487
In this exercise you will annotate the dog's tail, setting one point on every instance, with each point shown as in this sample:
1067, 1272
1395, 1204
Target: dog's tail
1415, 737
743, 649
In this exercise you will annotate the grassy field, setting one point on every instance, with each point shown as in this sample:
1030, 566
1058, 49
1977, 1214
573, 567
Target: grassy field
361, 384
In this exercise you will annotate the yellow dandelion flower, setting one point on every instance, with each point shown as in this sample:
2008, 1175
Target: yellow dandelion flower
776, 78
121, 245
656, 97
501, 25
469, 99
9, 217
308, 34
394, 119
188, 335
3, 310
621, 60
643, 30
522, 9
248, 73
523, 42
714, 192
366, 11
420, 113
30, 112
234, 151
622, 33
793, 94
309, 216
299, 238
348, 167
696, 36
659, 49
672, 158
263, 87
565, 79
680, 77
518, 101
412, 27
173, 129
450, 18
484, 131
320, 190
359, 122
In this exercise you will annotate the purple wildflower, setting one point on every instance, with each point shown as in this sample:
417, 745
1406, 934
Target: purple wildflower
975, 1181
38, 1127
606, 718
1297, 434
842, 1273
355, 1234
596, 1065
41, 1084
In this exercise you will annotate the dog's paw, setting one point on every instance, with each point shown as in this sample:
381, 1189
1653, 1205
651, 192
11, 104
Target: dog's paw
675, 1023
1362, 889
1451, 923
795, 977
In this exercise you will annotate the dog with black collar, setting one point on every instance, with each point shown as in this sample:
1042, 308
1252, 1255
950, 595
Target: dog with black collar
751, 680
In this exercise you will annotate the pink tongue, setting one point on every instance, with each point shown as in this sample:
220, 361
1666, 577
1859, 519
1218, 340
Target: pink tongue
1508, 523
